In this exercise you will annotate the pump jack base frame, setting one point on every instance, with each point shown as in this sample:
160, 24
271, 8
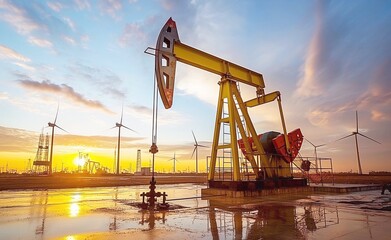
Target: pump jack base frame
258, 185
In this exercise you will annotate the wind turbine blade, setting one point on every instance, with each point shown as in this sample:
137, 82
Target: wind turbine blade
202, 146
195, 140
321, 145
128, 128
309, 142
122, 114
113, 127
55, 119
345, 137
193, 152
369, 138
356, 121
62, 129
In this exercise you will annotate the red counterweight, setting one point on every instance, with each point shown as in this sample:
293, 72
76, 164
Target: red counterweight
274, 143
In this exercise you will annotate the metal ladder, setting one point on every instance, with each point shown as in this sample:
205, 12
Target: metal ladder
227, 153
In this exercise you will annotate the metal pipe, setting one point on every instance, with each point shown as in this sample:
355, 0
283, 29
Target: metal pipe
287, 144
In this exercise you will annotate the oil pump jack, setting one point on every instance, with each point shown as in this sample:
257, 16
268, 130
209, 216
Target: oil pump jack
271, 153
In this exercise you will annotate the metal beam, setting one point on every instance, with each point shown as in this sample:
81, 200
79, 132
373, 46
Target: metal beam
213, 64
270, 97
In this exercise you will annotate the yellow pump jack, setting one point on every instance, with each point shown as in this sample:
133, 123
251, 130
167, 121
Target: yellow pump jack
169, 50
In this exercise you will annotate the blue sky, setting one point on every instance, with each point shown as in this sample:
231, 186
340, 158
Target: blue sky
327, 58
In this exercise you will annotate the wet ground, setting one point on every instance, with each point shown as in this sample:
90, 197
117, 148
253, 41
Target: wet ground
107, 213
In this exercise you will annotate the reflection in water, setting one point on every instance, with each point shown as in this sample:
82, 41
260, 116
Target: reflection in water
74, 210
269, 221
316, 217
150, 216
113, 225
107, 213
74, 207
41, 201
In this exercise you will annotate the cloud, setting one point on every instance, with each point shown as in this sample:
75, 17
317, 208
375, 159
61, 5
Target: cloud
198, 83
70, 23
55, 6
3, 95
174, 5
378, 96
322, 66
141, 32
19, 18
37, 22
144, 111
133, 33
105, 80
165, 117
24, 66
103, 142
17, 140
202, 27
69, 40
378, 116
111, 7
85, 38
82, 4
21, 140
40, 42
8, 53
64, 90
375, 99
21, 61
145, 31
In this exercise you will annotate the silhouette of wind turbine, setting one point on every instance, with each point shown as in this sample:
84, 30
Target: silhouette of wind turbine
119, 125
53, 125
355, 136
316, 154
196, 145
174, 160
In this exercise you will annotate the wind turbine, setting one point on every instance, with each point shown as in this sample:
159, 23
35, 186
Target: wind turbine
196, 145
316, 154
53, 125
174, 160
119, 125
355, 136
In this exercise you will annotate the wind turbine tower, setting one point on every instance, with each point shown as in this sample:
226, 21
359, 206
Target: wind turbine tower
53, 125
174, 160
119, 125
196, 145
316, 154
355, 133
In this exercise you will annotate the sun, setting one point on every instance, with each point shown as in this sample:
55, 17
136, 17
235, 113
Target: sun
79, 161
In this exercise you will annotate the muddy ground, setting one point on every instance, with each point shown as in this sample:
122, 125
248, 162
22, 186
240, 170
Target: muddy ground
13, 182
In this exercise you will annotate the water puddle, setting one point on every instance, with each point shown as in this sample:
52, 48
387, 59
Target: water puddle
111, 213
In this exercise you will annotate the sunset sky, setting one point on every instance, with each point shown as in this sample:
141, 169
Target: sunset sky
327, 58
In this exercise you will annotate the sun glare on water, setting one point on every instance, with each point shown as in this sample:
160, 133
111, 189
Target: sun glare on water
74, 208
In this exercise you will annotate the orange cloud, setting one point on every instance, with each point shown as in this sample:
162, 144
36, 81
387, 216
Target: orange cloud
64, 90
95, 141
